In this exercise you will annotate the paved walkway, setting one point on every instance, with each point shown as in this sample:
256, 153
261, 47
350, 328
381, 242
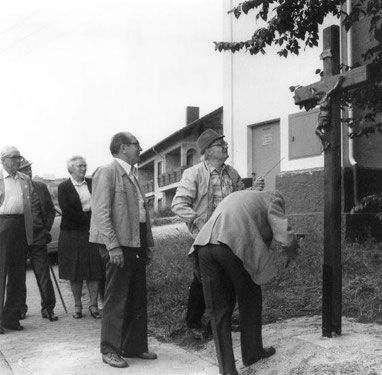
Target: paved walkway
71, 347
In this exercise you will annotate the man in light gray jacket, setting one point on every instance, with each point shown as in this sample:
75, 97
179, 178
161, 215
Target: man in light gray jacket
120, 224
234, 259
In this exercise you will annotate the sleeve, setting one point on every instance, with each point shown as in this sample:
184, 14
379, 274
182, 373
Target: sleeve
185, 196
102, 201
282, 232
49, 206
35, 206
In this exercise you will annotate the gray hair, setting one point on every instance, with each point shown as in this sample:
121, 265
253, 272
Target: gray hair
7, 150
72, 160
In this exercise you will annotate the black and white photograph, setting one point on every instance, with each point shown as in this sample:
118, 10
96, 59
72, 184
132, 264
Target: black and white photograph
190, 187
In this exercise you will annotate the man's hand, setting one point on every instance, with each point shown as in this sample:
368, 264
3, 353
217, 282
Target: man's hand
259, 184
116, 257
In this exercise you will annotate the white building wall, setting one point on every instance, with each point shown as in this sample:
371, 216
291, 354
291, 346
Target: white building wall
256, 89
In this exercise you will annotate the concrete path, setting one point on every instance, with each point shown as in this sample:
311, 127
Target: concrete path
71, 347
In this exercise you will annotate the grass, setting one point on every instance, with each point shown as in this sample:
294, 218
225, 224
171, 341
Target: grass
295, 292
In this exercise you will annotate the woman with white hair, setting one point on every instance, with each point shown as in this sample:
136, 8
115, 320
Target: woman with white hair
78, 259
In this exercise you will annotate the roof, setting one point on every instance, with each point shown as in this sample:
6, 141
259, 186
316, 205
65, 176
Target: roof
179, 133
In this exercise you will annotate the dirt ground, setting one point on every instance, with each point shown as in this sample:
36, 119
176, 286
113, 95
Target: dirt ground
301, 349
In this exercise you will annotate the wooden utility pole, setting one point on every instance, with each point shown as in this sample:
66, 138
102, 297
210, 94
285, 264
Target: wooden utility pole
332, 266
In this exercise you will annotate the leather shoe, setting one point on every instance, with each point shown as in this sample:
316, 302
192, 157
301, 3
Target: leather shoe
13, 327
267, 352
114, 360
52, 316
143, 355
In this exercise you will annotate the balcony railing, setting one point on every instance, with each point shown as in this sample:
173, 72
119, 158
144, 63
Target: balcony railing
148, 187
169, 178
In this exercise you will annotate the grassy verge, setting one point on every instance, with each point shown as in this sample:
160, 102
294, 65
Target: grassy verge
295, 292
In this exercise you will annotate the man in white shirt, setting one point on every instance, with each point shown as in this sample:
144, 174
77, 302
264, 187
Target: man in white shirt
17, 201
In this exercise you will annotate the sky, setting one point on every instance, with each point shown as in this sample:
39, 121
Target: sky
75, 72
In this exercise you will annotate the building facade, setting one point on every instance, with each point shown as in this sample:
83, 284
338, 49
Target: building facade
269, 135
160, 168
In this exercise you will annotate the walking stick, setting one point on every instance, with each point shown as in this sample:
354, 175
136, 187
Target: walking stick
57, 287
43, 296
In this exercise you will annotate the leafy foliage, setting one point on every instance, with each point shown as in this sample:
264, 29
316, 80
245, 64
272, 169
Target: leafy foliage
370, 204
292, 25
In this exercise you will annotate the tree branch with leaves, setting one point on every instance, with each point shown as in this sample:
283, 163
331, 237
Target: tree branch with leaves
290, 25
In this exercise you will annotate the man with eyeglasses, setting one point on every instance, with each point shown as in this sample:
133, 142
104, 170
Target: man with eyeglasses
120, 225
201, 189
18, 204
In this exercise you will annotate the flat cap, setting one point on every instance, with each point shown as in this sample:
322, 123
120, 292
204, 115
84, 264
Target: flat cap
207, 138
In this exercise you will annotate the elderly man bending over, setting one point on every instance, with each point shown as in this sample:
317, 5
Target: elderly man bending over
233, 254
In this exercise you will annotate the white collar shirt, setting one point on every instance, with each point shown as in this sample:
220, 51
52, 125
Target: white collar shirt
132, 173
13, 195
83, 192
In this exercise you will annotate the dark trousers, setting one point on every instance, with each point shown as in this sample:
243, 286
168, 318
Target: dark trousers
225, 280
124, 313
196, 305
13, 247
40, 262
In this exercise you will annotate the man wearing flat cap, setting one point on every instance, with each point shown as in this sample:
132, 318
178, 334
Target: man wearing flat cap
202, 187
38, 251
18, 204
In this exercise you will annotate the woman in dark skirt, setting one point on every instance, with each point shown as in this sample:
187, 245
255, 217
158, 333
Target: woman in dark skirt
78, 259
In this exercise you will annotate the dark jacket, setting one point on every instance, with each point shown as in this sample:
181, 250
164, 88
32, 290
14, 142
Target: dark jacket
43, 221
73, 218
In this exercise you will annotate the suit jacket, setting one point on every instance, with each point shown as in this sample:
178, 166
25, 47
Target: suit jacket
73, 217
247, 221
46, 214
30, 201
115, 210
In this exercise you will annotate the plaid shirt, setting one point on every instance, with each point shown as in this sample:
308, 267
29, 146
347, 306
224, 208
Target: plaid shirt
221, 183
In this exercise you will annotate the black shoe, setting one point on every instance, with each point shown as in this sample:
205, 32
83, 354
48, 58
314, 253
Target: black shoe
49, 314
114, 360
77, 312
13, 327
267, 352
93, 309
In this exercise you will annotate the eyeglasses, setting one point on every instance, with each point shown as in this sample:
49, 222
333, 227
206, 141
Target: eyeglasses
134, 143
220, 144
13, 158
